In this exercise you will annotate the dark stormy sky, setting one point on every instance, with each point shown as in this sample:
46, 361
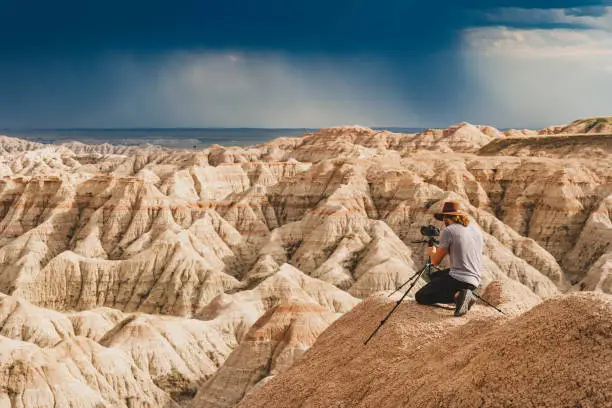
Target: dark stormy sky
232, 63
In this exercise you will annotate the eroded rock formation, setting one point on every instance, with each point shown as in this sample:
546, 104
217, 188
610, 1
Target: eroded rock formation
193, 267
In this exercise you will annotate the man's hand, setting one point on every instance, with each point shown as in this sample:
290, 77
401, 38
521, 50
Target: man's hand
431, 251
436, 254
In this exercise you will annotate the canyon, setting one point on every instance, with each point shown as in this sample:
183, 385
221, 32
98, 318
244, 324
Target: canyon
144, 276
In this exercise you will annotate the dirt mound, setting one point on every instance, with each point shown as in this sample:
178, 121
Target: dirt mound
557, 354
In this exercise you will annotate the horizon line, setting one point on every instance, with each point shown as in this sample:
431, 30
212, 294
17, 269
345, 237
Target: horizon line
208, 128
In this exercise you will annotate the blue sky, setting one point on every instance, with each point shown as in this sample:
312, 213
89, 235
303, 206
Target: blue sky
303, 64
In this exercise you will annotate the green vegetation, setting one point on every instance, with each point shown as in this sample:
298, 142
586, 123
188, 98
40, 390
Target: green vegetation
603, 140
592, 124
599, 123
352, 262
175, 384
252, 282
263, 373
291, 247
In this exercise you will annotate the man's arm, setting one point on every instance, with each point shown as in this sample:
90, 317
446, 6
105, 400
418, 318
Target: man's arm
436, 254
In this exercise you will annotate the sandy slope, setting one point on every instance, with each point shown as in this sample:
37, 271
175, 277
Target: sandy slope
557, 354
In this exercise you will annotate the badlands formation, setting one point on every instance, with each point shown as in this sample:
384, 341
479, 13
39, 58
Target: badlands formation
149, 277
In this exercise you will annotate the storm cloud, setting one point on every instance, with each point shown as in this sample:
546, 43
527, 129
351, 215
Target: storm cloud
279, 64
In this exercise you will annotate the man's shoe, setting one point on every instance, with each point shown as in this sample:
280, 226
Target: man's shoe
464, 302
473, 300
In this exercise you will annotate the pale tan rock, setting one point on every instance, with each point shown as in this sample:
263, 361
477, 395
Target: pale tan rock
278, 339
169, 347
107, 148
251, 214
20, 320
360, 142
594, 242
599, 276
164, 348
510, 296
45, 362
236, 313
12, 144
76, 372
95, 323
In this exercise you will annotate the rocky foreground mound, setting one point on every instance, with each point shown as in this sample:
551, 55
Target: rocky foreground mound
557, 354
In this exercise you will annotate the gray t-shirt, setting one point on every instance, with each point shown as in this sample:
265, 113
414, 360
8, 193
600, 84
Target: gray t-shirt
464, 245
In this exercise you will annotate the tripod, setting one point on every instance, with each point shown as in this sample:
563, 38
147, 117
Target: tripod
414, 278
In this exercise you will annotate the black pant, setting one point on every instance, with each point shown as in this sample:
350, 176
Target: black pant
441, 289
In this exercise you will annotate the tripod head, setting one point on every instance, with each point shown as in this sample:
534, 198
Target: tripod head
430, 242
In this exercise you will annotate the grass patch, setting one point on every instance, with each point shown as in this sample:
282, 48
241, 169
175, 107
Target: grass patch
553, 142
175, 384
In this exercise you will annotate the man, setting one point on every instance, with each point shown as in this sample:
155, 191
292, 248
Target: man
462, 240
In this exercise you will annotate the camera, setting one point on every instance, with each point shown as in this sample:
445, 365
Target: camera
430, 231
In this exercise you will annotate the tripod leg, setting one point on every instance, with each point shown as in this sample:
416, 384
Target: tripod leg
487, 302
383, 321
405, 283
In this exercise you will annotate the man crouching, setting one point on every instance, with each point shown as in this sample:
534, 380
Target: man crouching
463, 241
